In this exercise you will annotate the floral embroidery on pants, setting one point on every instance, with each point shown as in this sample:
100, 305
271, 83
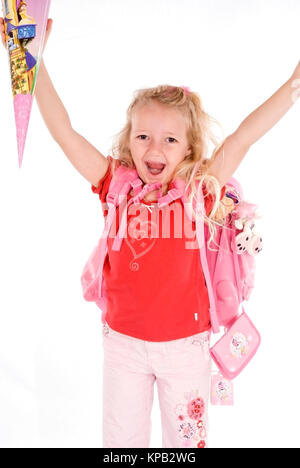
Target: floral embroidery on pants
191, 427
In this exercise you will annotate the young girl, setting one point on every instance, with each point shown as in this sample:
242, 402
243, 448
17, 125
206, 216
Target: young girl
158, 322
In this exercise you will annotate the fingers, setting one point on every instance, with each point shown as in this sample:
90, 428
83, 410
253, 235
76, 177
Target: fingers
49, 24
48, 31
2, 31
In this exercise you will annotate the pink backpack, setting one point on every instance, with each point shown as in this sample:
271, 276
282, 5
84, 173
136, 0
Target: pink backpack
229, 271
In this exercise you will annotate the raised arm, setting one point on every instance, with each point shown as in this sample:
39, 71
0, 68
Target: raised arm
84, 156
229, 155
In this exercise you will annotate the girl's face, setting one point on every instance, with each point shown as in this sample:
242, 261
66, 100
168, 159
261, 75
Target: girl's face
158, 142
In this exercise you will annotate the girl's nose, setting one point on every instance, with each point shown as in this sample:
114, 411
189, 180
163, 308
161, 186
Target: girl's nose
155, 148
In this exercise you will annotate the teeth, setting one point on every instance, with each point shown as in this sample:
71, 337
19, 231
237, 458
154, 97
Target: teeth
155, 165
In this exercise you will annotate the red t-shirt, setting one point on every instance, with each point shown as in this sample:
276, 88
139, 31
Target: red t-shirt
156, 289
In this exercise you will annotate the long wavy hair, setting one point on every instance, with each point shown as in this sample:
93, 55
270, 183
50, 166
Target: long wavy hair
193, 169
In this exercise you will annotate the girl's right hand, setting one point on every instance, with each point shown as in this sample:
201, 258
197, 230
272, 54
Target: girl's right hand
48, 31
2, 32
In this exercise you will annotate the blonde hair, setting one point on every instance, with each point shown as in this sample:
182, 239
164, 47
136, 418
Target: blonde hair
199, 133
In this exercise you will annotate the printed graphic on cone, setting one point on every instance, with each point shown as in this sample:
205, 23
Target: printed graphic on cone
25, 24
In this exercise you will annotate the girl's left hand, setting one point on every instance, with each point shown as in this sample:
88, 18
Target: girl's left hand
296, 73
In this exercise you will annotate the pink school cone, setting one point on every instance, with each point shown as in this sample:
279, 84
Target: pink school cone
25, 26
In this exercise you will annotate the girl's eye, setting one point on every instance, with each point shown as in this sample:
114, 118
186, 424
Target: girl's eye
170, 138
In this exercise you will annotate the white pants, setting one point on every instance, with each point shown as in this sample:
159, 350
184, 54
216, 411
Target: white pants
181, 369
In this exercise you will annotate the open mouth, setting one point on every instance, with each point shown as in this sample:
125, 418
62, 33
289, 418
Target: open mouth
155, 168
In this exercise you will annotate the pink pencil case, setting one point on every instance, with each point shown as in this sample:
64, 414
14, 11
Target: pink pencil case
237, 347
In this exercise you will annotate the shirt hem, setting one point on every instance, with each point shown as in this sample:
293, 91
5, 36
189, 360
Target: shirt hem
161, 340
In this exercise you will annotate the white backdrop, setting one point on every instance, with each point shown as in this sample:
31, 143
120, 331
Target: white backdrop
235, 54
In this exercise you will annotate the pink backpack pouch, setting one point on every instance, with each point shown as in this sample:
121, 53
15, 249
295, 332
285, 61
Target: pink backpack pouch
237, 347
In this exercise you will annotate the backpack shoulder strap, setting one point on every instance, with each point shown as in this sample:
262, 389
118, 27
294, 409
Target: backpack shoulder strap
121, 182
234, 191
92, 281
180, 185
